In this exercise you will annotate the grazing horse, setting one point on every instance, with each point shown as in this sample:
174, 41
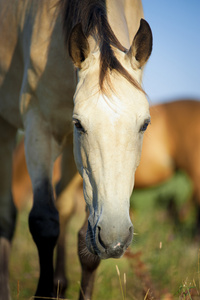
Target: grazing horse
109, 43
172, 142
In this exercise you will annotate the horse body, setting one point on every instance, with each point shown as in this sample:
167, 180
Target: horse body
35, 56
110, 114
186, 136
171, 143
157, 163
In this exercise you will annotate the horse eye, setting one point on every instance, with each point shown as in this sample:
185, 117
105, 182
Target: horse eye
78, 125
144, 126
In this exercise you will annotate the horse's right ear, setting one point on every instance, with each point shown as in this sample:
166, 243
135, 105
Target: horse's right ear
78, 46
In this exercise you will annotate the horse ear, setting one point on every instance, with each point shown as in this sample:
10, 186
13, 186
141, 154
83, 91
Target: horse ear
142, 44
78, 45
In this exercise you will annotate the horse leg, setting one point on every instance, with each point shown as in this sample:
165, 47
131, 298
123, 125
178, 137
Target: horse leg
65, 204
196, 182
89, 263
194, 174
41, 151
7, 207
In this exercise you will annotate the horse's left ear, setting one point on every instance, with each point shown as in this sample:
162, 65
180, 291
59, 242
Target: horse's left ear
142, 44
78, 46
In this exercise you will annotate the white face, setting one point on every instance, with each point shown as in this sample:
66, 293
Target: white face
108, 135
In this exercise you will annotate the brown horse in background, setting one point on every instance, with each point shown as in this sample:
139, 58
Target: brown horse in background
172, 142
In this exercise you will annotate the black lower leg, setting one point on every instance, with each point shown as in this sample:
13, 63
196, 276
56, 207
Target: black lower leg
60, 279
44, 227
197, 225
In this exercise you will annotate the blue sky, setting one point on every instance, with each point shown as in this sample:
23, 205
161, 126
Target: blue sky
173, 70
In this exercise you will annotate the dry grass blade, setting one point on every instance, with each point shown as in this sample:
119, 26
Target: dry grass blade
81, 290
125, 285
195, 287
120, 283
145, 298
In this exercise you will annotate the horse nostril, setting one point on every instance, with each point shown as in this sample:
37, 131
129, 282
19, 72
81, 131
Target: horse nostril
130, 236
99, 237
121, 242
131, 229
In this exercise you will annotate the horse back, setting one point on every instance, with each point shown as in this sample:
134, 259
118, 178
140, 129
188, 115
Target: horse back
171, 142
183, 122
156, 163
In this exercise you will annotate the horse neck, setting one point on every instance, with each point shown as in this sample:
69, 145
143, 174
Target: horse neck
134, 13
124, 18
117, 21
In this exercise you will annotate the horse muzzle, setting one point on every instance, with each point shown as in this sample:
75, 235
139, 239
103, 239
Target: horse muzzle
109, 241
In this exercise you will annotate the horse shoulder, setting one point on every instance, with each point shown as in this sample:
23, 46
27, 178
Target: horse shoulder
48, 79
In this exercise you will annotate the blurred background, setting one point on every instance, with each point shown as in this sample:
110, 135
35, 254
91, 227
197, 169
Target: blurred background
173, 70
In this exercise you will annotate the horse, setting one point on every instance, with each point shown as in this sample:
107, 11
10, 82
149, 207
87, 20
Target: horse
172, 143
108, 44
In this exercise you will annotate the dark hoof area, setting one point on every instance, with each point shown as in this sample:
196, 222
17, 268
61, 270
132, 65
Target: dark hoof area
60, 286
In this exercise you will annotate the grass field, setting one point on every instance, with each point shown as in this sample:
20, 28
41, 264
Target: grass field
162, 262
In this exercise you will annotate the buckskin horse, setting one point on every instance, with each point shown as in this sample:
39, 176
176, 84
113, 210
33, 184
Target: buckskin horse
172, 142
109, 43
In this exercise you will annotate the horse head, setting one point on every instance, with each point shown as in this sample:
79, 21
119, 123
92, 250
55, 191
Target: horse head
109, 121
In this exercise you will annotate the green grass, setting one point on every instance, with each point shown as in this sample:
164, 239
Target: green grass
166, 253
